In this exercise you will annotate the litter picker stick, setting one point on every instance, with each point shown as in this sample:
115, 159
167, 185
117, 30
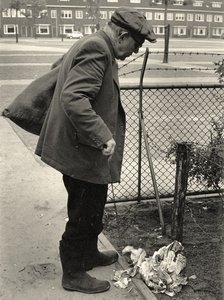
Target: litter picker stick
141, 119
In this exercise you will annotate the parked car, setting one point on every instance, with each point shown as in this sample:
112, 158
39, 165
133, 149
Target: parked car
74, 35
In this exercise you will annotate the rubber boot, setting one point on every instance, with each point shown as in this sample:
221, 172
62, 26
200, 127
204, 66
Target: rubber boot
74, 276
95, 258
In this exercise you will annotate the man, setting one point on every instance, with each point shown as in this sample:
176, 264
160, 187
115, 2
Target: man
83, 138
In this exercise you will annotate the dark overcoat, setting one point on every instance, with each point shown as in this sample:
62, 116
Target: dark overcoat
85, 113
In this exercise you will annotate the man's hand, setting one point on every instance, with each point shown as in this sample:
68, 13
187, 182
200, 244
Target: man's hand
109, 147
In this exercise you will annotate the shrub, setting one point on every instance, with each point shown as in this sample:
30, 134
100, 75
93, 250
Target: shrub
219, 66
206, 161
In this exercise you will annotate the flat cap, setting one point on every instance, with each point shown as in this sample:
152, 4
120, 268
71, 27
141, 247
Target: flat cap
135, 23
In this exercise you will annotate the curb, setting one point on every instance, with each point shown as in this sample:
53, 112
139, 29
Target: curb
139, 284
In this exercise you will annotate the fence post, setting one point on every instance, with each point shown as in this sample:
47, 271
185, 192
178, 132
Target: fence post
139, 160
140, 126
182, 168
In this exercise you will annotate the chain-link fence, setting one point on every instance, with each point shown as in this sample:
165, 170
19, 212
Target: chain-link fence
181, 113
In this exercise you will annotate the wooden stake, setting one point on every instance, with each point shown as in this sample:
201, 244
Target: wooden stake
183, 159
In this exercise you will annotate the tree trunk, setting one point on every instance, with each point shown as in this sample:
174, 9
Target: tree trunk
166, 50
167, 34
16, 34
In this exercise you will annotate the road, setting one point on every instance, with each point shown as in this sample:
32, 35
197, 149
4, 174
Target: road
33, 58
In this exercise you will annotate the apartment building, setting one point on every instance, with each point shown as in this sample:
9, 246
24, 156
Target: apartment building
187, 18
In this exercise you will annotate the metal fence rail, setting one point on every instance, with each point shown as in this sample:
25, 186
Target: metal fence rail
171, 112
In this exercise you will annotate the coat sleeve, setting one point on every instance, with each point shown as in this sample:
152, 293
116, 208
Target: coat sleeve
82, 84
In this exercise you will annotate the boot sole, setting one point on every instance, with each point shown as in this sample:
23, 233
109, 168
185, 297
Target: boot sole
86, 292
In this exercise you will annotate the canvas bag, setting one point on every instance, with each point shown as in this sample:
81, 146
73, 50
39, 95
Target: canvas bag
30, 107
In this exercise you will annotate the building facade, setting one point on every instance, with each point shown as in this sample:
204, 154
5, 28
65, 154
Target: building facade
193, 19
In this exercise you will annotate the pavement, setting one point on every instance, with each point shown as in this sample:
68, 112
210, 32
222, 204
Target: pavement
33, 203
33, 217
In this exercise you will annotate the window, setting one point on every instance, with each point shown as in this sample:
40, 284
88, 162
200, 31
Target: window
190, 17
159, 30
10, 29
66, 29
157, 1
169, 16
110, 14
61, 29
79, 14
112, 0
182, 30
135, 1
159, 16
148, 15
218, 18
197, 3
217, 31
13, 13
88, 29
42, 29
179, 17
217, 4
199, 30
199, 17
43, 13
209, 18
66, 14
20, 13
103, 14
178, 2
179, 30
6, 13
53, 14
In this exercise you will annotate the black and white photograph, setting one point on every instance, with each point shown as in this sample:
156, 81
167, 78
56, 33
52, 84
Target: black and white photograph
112, 149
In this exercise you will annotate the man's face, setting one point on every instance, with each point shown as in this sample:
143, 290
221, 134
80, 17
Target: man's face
126, 46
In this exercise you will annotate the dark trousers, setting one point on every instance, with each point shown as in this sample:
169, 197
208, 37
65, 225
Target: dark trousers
86, 202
